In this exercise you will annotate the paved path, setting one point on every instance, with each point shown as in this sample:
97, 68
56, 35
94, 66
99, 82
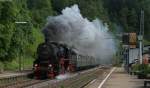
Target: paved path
116, 78
120, 79
96, 82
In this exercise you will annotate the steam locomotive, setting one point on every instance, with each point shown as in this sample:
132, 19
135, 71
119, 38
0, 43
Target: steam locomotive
54, 58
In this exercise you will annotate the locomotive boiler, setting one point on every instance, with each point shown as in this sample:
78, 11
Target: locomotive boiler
55, 58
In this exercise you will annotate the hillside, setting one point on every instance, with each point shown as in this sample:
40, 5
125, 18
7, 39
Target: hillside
21, 40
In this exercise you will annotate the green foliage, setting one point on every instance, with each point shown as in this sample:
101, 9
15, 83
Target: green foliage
7, 17
89, 8
141, 69
14, 64
6, 33
127, 14
58, 5
146, 42
21, 40
135, 68
92, 9
8, 12
62, 86
144, 70
15, 39
38, 38
39, 10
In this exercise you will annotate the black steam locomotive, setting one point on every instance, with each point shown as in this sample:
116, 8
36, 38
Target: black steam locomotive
55, 58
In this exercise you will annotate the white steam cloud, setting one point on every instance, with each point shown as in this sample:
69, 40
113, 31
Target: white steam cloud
89, 38
63, 76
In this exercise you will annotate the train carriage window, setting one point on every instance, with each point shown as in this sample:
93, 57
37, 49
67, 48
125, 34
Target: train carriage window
71, 59
148, 59
78, 59
75, 58
81, 60
89, 61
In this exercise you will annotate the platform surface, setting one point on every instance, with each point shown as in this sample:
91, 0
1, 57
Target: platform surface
120, 79
12, 74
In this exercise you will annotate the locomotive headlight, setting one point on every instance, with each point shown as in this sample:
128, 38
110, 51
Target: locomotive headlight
36, 65
50, 65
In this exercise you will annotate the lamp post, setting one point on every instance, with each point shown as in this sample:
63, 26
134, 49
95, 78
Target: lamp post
140, 36
20, 61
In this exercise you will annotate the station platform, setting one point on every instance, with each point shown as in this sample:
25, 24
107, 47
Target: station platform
121, 79
13, 74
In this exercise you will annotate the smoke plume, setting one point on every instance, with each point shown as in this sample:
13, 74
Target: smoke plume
63, 76
89, 38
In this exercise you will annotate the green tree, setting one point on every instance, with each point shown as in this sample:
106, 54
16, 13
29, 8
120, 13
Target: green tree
39, 10
132, 24
7, 17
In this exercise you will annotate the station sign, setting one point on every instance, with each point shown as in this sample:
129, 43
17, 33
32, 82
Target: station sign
130, 39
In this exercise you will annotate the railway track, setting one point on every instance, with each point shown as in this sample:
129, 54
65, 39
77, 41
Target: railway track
18, 82
26, 83
81, 80
13, 79
76, 80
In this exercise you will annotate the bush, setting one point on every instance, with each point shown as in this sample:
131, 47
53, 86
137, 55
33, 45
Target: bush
1, 67
142, 70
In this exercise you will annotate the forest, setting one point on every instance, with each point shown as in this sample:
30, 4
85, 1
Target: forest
20, 40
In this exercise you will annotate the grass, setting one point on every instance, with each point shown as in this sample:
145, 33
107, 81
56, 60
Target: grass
27, 63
